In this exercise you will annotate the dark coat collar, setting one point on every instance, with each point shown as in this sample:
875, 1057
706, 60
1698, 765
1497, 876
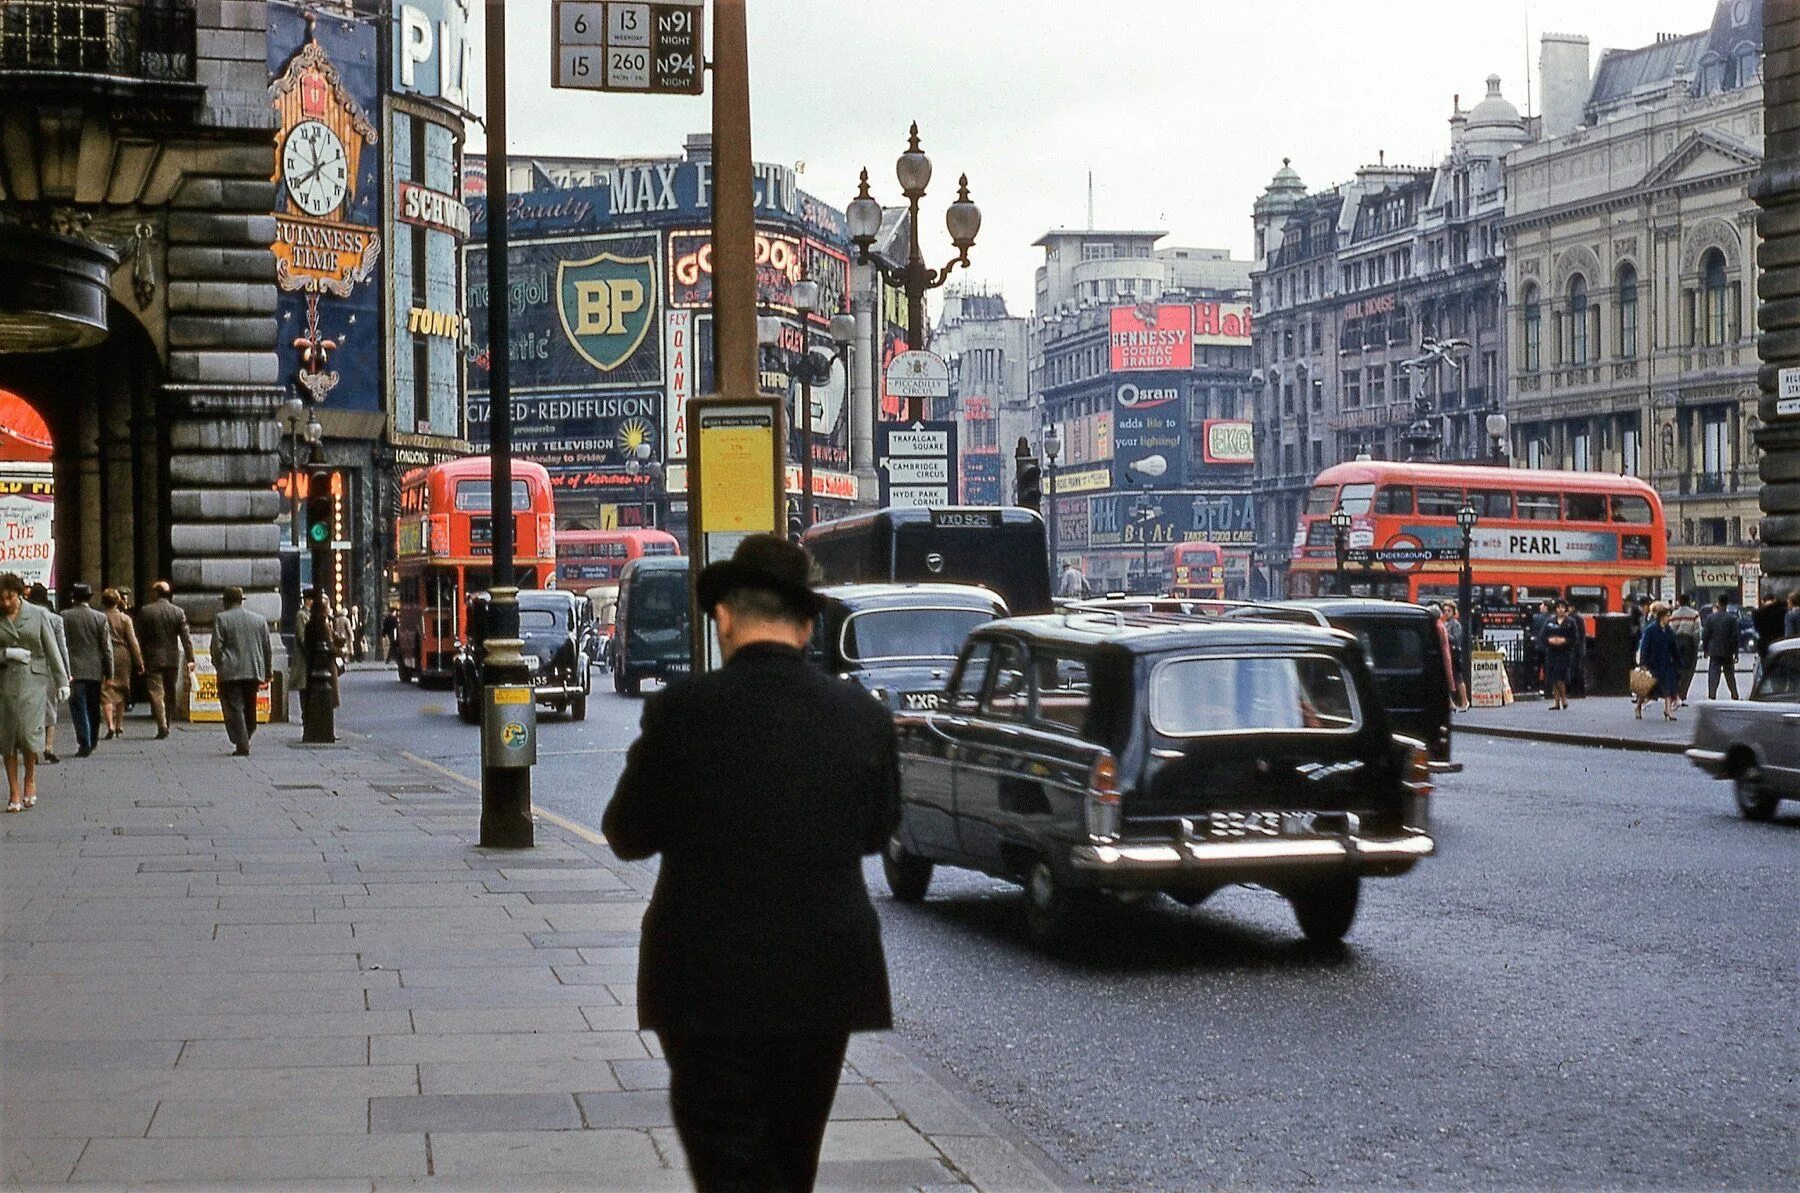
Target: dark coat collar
767, 650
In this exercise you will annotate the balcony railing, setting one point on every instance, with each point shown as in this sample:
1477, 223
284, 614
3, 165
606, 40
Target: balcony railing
150, 40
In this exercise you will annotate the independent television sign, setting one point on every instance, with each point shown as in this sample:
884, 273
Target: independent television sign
637, 48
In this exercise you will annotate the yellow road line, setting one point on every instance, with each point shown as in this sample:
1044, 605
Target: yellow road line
562, 822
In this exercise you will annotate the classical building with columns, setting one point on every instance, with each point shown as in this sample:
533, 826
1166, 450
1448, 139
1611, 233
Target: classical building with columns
138, 316
1631, 251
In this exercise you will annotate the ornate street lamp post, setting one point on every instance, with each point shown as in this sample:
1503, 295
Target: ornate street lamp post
1496, 429
1052, 449
915, 277
1340, 531
809, 369
1466, 518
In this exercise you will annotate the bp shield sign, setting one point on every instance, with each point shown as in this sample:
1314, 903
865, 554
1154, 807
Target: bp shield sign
607, 304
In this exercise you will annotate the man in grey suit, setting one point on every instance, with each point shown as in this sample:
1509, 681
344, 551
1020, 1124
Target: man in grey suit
240, 654
162, 628
90, 664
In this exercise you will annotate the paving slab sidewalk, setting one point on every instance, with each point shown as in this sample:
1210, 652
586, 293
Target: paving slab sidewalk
299, 968
1602, 721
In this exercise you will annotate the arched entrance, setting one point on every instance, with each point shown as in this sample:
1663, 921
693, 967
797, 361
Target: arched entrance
108, 451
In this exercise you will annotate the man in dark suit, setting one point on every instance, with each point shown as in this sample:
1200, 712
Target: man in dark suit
762, 785
1719, 635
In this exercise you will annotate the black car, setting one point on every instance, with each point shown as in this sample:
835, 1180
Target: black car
650, 630
558, 631
1120, 752
899, 641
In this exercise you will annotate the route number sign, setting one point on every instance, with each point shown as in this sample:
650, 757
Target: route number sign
656, 48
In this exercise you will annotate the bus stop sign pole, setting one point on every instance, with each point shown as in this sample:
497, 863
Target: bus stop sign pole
509, 727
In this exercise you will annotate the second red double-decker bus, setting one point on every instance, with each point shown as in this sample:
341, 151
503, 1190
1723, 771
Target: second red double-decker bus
591, 558
1590, 538
444, 550
1196, 570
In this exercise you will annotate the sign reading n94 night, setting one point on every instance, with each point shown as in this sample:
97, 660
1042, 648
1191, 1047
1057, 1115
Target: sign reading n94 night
625, 45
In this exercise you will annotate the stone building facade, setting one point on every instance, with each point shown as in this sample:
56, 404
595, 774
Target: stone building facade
139, 316
1140, 357
1777, 192
1631, 278
1348, 283
984, 345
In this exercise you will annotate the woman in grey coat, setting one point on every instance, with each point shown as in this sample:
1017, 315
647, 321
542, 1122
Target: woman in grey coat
31, 670
38, 595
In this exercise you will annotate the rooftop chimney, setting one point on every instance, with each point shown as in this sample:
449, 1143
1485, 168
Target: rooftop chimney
1563, 82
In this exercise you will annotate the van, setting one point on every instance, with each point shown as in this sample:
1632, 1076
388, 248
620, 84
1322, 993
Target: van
652, 626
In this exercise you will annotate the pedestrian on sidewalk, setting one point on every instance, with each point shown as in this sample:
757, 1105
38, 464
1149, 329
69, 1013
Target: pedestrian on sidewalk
1453, 630
1535, 645
1766, 622
128, 663
163, 632
390, 636
90, 664
1719, 642
38, 595
241, 653
315, 633
1560, 643
1659, 654
340, 638
1790, 625
358, 632
1684, 623
31, 670
762, 785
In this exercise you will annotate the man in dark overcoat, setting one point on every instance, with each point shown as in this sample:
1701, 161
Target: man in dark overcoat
762, 784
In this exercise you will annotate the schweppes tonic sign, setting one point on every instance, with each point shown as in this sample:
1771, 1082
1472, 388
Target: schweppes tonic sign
607, 304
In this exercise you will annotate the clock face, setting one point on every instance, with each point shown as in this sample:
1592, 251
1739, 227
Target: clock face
315, 167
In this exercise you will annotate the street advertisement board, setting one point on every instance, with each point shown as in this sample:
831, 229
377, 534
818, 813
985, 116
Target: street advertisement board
328, 196
1149, 440
1160, 518
1222, 323
1521, 545
737, 476
203, 694
916, 463
433, 56
678, 374
1149, 336
27, 517
575, 430
981, 483
1488, 685
1228, 441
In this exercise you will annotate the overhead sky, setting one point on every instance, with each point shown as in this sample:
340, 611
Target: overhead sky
1180, 109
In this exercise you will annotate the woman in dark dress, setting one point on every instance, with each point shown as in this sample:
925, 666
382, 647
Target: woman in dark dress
1660, 655
1559, 640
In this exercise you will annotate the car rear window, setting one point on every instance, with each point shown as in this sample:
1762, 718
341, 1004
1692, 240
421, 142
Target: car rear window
909, 633
538, 619
1231, 694
1396, 647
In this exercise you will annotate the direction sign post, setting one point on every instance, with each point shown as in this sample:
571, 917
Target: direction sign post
655, 48
916, 463
916, 376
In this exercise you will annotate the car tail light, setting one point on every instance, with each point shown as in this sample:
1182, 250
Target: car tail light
1103, 798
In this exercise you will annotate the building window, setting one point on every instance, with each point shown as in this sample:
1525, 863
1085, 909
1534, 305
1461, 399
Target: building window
1581, 458
1714, 297
1378, 385
1352, 383
1534, 452
1628, 447
1534, 330
1628, 311
1578, 320
1715, 449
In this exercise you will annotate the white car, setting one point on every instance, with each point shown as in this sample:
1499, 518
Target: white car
1756, 742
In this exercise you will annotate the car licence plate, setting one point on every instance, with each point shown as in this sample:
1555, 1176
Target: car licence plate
1277, 824
921, 701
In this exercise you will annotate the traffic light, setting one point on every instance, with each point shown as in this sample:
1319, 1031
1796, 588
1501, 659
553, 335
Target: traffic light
321, 512
1030, 482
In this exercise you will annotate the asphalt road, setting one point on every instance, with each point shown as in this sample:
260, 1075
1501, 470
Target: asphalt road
1594, 985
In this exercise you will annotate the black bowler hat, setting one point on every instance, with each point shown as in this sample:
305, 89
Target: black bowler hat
768, 563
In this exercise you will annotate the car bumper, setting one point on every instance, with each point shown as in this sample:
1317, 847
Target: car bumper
1710, 761
1156, 864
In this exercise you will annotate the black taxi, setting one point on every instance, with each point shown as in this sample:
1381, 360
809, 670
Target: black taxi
899, 641
1116, 752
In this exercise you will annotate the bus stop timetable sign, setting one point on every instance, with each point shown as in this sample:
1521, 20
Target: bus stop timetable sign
625, 45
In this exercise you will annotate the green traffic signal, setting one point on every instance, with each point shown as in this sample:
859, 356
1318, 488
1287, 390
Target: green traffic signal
319, 532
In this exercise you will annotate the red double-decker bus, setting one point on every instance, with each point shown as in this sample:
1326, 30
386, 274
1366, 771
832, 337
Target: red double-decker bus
594, 558
1589, 538
444, 548
1196, 570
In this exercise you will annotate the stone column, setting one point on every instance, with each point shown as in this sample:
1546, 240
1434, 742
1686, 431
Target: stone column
1777, 192
224, 391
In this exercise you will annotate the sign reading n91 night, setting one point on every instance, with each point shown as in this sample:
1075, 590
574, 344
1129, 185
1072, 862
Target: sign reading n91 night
625, 45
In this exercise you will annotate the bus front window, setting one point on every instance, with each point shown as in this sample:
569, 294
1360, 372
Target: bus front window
1356, 499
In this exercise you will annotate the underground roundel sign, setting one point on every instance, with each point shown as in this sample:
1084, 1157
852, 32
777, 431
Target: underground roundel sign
606, 304
1404, 553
